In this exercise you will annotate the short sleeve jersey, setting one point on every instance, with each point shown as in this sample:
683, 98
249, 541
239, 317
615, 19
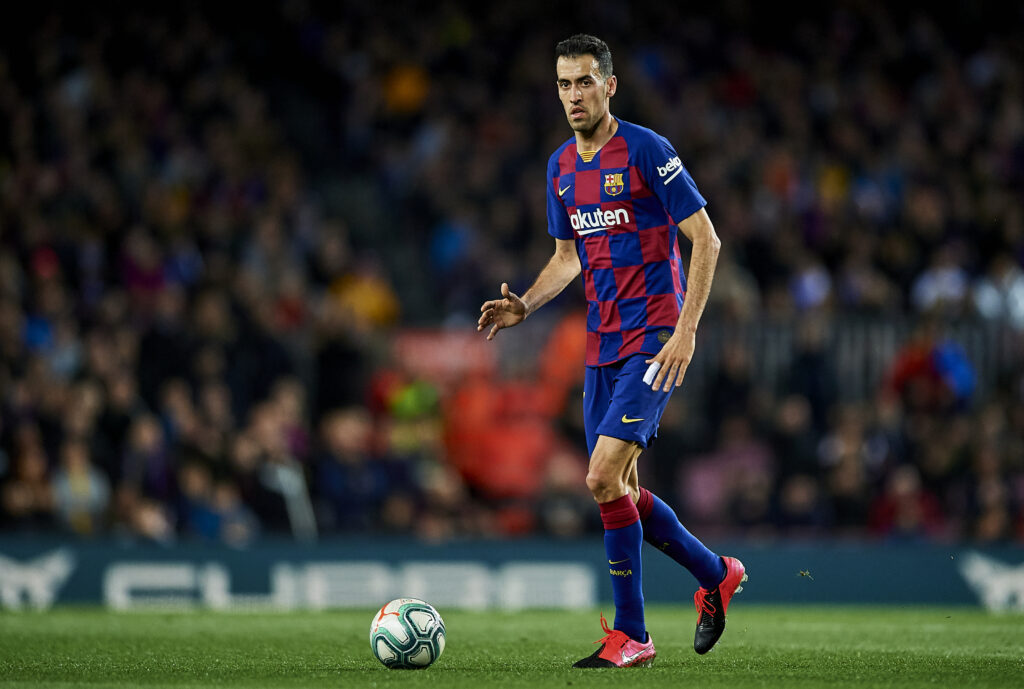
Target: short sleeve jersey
622, 206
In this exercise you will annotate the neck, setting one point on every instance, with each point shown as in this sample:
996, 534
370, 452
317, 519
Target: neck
597, 137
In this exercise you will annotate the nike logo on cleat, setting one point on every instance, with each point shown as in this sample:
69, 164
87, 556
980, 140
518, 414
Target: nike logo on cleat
625, 420
626, 660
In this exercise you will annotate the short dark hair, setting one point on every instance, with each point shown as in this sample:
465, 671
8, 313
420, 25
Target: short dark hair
585, 44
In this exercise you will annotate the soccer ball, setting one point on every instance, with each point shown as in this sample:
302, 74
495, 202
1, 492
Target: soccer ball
407, 634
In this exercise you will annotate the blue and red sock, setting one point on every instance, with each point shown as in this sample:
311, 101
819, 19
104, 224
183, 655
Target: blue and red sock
623, 537
663, 530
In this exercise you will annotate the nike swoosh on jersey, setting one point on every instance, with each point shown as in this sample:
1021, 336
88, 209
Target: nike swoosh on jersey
625, 420
562, 191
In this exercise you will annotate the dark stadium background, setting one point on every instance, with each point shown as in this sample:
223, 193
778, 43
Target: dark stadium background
242, 251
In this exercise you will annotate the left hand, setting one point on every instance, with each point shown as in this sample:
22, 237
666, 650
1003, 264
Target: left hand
674, 357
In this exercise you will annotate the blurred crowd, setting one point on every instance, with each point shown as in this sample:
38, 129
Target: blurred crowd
213, 229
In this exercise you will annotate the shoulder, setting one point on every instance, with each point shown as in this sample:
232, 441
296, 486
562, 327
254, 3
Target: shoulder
641, 138
560, 152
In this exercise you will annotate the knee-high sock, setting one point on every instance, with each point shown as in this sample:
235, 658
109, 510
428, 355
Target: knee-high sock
623, 537
663, 530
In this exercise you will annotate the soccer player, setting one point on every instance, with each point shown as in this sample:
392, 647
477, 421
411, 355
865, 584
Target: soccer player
616, 195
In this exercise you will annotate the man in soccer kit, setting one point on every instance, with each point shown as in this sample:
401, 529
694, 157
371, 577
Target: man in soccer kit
616, 195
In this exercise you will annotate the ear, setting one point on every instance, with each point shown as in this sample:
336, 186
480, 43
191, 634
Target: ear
612, 83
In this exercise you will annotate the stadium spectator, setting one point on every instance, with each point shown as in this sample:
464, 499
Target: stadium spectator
905, 510
356, 487
26, 494
81, 493
999, 293
186, 223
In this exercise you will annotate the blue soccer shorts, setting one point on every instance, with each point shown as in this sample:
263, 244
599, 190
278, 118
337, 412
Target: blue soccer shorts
618, 403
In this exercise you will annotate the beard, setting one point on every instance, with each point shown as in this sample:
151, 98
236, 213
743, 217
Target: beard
585, 126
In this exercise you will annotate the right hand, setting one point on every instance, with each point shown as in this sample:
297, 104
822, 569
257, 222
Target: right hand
501, 313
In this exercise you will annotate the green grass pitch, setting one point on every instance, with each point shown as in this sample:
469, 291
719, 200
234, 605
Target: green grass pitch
762, 647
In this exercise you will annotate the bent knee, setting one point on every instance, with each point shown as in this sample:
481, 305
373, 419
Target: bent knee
604, 486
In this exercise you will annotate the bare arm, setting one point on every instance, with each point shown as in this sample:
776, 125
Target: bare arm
675, 356
511, 309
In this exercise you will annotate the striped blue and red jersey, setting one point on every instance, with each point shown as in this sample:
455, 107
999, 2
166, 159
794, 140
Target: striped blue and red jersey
622, 206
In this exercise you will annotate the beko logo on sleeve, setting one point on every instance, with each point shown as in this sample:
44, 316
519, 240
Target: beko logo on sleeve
671, 168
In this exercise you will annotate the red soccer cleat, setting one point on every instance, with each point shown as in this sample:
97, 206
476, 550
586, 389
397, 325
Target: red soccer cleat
618, 650
711, 605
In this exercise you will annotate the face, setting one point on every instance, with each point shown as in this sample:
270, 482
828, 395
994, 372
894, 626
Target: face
583, 92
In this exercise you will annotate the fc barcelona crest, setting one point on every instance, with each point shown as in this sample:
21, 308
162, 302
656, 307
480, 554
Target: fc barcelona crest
613, 184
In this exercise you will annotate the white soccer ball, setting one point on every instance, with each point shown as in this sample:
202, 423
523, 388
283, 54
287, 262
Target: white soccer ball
407, 634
